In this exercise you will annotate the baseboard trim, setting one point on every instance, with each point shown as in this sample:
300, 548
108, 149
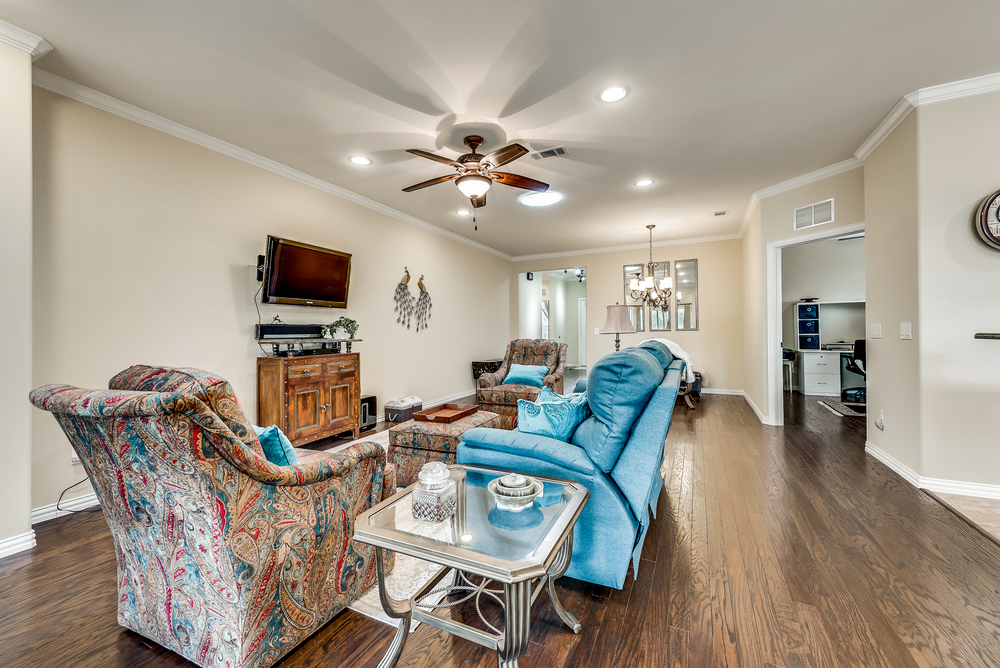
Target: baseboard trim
939, 485
50, 512
16, 544
715, 390
760, 416
435, 402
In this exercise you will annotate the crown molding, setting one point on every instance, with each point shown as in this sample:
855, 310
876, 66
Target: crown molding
75, 91
885, 128
811, 177
23, 40
628, 247
965, 88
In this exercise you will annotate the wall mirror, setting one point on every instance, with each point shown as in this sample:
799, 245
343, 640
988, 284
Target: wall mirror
637, 315
686, 294
659, 318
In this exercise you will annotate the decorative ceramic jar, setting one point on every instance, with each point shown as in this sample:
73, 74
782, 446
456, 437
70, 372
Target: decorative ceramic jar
434, 498
514, 492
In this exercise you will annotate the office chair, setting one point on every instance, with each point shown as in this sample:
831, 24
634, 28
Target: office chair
857, 365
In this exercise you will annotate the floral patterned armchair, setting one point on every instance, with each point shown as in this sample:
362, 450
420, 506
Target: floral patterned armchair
492, 395
223, 557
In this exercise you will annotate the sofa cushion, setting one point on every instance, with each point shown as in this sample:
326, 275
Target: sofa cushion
618, 388
215, 391
526, 374
552, 415
277, 448
660, 352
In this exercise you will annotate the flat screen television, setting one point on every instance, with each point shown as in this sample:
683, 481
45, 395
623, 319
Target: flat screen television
298, 273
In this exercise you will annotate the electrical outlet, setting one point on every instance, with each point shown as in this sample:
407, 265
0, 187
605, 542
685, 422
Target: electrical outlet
880, 421
906, 331
876, 330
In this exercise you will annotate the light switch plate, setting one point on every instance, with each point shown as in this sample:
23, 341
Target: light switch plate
906, 331
876, 330
597, 331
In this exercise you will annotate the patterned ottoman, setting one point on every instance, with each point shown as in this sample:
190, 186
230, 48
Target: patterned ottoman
414, 443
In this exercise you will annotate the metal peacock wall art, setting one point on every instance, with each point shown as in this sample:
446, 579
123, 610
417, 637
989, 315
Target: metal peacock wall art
407, 306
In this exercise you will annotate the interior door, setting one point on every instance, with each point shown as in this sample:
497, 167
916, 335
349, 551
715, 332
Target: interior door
305, 409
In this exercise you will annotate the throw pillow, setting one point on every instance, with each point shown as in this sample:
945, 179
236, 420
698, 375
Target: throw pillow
277, 448
525, 374
553, 415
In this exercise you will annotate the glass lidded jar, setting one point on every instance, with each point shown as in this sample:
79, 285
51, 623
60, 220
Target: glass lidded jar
434, 498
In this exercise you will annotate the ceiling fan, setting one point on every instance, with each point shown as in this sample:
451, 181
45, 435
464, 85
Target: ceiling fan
475, 172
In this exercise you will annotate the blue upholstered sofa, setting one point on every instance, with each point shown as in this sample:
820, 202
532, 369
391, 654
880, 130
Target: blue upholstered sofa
616, 453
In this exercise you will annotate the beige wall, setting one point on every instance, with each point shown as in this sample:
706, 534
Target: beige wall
776, 215
144, 252
15, 279
716, 346
959, 142
891, 293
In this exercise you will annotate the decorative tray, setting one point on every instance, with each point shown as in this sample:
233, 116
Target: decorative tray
446, 413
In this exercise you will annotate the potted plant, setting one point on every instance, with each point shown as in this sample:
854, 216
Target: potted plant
342, 324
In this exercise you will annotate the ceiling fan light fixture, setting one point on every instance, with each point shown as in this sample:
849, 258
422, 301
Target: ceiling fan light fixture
614, 94
546, 198
473, 185
644, 182
360, 160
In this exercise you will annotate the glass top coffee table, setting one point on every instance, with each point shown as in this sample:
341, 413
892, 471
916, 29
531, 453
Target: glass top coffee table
524, 551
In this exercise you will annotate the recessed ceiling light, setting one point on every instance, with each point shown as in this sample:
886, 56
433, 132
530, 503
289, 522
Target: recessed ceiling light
644, 183
613, 94
361, 160
463, 212
541, 199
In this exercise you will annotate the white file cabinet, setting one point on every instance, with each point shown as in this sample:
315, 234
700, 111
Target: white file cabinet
820, 373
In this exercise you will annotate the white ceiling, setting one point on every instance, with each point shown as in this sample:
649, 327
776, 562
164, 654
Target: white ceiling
725, 98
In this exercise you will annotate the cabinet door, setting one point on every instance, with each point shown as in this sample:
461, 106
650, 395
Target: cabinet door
306, 414
340, 402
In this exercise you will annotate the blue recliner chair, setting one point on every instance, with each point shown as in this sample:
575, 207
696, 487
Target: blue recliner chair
616, 453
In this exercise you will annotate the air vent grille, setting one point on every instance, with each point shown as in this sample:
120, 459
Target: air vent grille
819, 213
721, 213
553, 152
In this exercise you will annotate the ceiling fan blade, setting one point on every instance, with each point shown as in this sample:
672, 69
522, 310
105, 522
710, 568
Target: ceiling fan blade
502, 156
479, 202
433, 156
519, 181
431, 182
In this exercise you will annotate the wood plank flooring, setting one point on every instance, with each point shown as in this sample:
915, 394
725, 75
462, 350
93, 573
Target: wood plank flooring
772, 547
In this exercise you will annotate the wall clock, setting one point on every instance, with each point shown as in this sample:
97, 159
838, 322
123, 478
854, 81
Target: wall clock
987, 223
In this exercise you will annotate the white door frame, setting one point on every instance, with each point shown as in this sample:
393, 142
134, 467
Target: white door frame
581, 332
772, 340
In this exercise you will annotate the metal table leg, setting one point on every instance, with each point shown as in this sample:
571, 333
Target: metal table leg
517, 623
556, 571
397, 610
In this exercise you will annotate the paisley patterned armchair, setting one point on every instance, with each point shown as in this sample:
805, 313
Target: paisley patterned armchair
223, 557
492, 395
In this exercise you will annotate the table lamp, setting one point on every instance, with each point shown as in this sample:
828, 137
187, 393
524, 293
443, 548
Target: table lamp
617, 323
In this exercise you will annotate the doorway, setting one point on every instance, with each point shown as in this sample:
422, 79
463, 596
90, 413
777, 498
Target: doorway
775, 336
553, 305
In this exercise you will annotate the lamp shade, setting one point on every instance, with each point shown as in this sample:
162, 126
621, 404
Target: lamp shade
618, 321
473, 185
666, 283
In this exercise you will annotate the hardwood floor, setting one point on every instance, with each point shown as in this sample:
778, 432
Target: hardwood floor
772, 547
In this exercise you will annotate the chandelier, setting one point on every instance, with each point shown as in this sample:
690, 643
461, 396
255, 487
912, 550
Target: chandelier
645, 290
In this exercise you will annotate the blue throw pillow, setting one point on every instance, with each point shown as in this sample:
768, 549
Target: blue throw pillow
277, 448
660, 352
524, 374
553, 415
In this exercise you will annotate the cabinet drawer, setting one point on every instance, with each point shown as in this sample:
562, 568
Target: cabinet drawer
821, 363
823, 383
305, 370
340, 367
